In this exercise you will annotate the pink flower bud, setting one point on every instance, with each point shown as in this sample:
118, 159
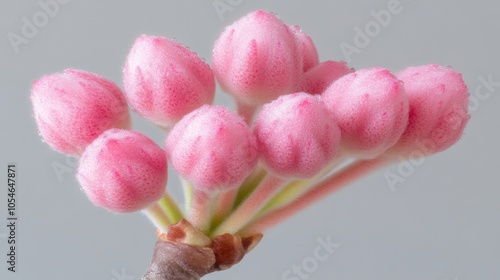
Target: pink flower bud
297, 135
371, 108
257, 58
438, 109
317, 79
164, 80
213, 148
308, 50
73, 108
123, 171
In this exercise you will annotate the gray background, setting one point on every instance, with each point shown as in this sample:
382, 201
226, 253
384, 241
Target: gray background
441, 223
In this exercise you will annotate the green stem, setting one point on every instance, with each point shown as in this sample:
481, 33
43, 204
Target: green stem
296, 188
249, 185
157, 217
286, 195
188, 194
321, 190
201, 210
169, 207
251, 206
224, 203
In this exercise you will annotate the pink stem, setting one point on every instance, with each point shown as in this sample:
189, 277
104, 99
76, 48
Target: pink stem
321, 190
200, 213
224, 205
251, 206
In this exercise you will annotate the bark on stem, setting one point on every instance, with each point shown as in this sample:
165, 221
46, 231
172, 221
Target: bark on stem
184, 252
173, 260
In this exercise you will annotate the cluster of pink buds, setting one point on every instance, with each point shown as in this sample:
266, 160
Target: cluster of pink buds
302, 129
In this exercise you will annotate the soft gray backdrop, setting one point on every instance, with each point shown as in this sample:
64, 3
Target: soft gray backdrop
442, 222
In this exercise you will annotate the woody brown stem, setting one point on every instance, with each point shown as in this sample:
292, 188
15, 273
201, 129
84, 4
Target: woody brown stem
173, 260
183, 252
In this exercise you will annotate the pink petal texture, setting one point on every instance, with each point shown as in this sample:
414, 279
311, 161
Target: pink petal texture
213, 148
438, 108
297, 135
73, 108
320, 77
257, 58
310, 57
123, 171
371, 109
164, 81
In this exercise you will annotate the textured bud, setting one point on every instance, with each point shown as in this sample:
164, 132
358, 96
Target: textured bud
319, 78
371, 109
73, 108
310, 57
438, 100
123, 171
297, 135
164, 81
213, 148
257, 58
